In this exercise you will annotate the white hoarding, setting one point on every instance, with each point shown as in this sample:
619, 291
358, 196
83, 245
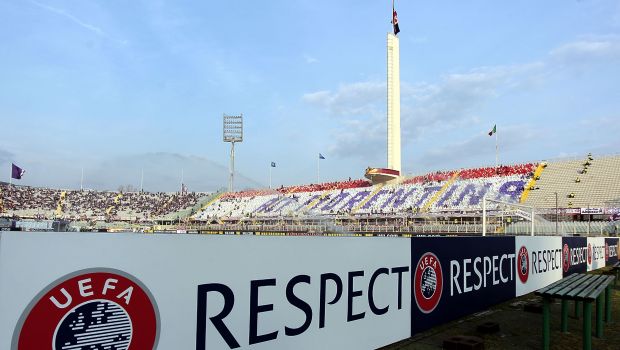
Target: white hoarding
538, 262
596, 253
245, 292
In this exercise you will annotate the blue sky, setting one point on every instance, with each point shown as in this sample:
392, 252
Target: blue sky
109, 85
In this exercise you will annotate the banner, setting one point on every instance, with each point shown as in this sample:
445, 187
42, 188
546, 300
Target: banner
612, 250
596, 253
202, 291
457, 276
168, 291
539, 262
574, 255
592, 211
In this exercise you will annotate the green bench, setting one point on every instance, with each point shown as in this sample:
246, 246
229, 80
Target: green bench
616, 269
582, 288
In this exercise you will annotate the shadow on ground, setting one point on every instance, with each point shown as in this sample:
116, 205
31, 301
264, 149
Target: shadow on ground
520, 329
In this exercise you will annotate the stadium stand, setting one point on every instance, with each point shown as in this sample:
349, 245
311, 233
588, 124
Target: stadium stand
33, 202
598, 184
442, 201
450, 190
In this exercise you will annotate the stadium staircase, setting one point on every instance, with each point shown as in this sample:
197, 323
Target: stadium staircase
532, 183
367, 199
427, 206
317, 201
598, 187
63, 196
207, 202
116, 201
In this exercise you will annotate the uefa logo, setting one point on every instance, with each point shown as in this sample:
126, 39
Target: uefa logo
428, 283
90, 309
589, 254
523, 264
565, 258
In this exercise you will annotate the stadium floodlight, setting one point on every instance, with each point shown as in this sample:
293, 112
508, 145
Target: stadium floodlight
232, 132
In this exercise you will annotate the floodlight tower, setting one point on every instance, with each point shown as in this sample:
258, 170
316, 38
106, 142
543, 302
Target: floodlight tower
233, 132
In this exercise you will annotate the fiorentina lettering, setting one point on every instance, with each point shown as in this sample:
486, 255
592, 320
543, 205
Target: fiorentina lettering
487, 270
360, 299
86, 289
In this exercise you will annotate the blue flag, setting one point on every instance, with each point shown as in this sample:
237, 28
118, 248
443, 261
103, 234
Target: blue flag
321, 156
273, 164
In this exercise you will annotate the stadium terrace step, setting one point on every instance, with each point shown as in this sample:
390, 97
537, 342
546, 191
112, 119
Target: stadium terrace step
438, 194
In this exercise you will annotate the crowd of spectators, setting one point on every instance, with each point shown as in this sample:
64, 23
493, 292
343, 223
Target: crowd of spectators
474, 173
88, 203
28, 198
325, 186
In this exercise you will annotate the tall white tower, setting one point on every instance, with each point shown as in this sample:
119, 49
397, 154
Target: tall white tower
393, 103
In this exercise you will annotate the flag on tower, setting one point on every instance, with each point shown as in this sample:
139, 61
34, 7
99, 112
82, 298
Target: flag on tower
273, 164
17, 172
493, 131
321, 156
395, 20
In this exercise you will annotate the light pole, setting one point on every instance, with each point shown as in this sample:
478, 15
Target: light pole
233, 132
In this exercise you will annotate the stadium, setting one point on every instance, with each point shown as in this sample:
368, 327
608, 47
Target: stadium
581, 195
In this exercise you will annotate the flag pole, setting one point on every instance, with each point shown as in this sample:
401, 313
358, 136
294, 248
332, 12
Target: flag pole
142, 180
82, 180
496, 150
270, 175
318, 170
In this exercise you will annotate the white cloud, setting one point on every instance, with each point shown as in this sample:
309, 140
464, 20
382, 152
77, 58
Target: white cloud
448, 104
356, 99
90, 27
585, 49
310, 60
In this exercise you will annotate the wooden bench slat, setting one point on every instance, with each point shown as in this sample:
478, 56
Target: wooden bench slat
584, 294
557, 284
601, 287
575, 287
561, 289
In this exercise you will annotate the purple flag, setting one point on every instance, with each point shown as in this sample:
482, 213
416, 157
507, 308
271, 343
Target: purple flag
17, 172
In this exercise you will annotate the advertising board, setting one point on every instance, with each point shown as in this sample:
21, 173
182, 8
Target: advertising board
456, 276
203, 291
574, 255
596, 253
612, 251
539, 262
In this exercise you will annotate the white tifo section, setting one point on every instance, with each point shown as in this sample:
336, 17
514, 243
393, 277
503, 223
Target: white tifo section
545, 262
172, 266
393, 102
598, 253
